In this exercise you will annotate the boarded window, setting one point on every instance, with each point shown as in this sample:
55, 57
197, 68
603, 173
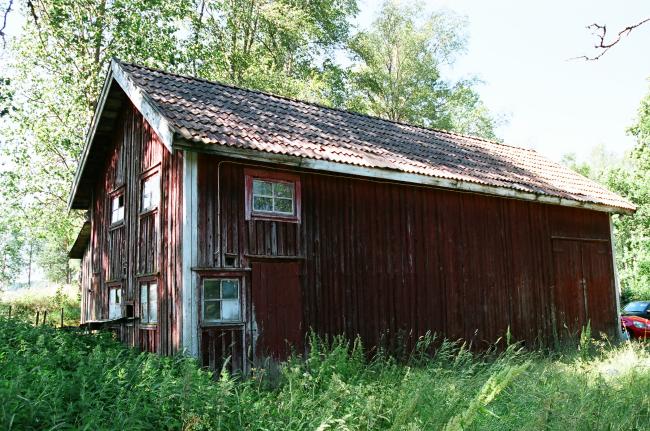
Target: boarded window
148, 226
221, 300
115, 303
149, 302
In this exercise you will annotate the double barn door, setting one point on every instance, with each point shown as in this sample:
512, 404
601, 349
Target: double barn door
584, 288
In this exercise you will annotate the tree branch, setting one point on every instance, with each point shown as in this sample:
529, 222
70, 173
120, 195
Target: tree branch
4, 23
600, 31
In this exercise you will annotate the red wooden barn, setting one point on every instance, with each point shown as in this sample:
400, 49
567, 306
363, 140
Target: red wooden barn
228, 222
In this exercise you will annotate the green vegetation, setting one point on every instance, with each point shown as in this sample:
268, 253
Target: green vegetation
47, 302
53, 379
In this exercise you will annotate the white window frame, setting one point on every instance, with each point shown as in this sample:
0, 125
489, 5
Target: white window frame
115, 302
221, 300
273, 197
117, 214
146, 305
150, 198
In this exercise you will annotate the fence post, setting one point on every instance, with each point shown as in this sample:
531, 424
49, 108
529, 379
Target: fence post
38, 312
44, 317
10, 311
61, 317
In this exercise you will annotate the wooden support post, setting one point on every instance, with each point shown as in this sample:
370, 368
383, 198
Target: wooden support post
61, 317
44, 317
37, 316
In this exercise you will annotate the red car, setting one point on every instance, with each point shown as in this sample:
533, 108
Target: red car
635, 319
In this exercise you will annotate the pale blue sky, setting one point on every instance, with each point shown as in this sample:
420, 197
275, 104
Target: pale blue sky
520, 49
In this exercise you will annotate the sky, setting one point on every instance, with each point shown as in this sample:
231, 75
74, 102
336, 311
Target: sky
521, 50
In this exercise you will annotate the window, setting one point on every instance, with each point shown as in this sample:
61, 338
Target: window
115, 303
150, 193
221, 300
272, 196
117, 209
149, 302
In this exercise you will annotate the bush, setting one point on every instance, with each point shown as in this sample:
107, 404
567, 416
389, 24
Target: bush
69, 380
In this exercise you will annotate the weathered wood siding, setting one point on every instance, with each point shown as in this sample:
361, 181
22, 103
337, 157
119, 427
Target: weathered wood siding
147, 245
386, 261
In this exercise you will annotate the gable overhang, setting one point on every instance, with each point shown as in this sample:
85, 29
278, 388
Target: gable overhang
390, 175
118, 87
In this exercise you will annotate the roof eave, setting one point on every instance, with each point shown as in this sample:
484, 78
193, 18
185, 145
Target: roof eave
391, 175
140, 100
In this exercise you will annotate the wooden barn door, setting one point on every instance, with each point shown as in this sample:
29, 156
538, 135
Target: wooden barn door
598, 272
277, 309
584, 290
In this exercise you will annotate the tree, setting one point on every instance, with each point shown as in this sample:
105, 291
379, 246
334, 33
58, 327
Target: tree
397, 72
279, 46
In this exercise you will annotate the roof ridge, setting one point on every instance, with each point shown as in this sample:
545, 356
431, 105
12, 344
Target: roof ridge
320, 105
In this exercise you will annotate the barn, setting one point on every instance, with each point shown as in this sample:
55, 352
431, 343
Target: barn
224, 222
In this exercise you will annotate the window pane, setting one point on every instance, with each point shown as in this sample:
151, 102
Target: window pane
153, 303
229, 289
144, 312
262, 188
230, 309
283, 206
150, 193
262, 204
114, 309
117, 209
211, 310
211, 289
283, 190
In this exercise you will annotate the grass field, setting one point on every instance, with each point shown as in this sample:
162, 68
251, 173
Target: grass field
47, 300
53, 379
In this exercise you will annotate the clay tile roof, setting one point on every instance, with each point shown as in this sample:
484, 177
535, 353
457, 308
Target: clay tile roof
213, 113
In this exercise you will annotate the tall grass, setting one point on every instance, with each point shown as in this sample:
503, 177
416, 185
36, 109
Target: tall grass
51, 379
47, 302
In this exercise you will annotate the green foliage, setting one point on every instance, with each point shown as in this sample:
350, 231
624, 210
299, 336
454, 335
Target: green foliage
24, 307
398, 72
68, 380
285, 47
